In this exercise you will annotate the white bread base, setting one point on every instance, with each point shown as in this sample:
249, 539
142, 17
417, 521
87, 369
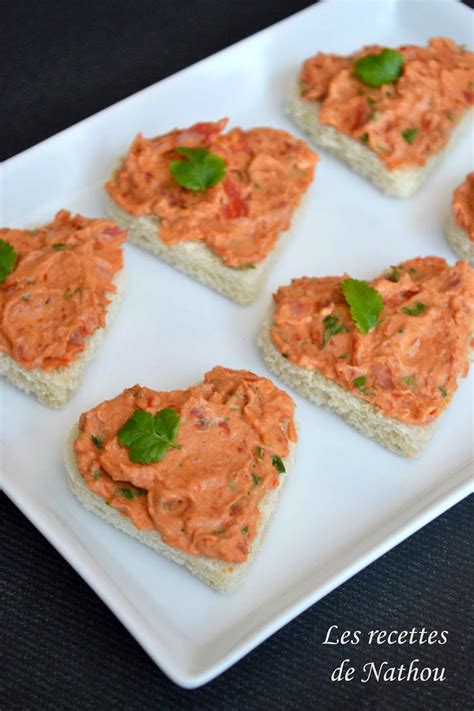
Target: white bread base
407, 440
54, 388
195, 258
218, 574
458, 238
401, 182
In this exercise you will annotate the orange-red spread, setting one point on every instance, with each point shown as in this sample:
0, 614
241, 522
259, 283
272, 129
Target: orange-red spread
463, 205
203, 498
239, 218
407, 366
406, 122
56, 295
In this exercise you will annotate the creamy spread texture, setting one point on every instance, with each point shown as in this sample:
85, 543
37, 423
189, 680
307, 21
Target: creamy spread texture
408, 365
239, 218
463, 205
405, 122
204, 497
57, 294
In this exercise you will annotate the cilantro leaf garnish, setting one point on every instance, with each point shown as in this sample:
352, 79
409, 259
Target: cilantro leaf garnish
418, 309
201, 169
148, 437
331, 328
377, 69
410, 134
365, 303
278, 464
7, 259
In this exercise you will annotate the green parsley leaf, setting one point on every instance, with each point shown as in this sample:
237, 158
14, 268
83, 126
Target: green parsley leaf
256, 479
7, 259
360, 383
418, 309
126, 493
200, 171
331, 328
378, 69
278, 464
442, 391
97, 441
410, 134
365, 303
148, 437
245, 530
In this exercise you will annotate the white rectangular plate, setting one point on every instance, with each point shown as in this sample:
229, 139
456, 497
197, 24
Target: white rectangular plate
348, 500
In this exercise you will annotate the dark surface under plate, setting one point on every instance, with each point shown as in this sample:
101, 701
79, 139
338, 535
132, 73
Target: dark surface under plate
61, 648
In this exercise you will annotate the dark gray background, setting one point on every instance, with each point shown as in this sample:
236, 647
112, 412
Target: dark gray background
61, 647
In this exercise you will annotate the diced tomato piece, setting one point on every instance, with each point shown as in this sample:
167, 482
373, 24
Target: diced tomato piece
235, 207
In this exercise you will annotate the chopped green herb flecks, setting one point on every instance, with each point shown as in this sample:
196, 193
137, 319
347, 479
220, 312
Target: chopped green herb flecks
417, 310
443, 391
126, 493
60, 246
278, 464
97, 441
364, 138
410, 134
332, 326
394, 275
360, 383
97, 474
245, 530
25, 297
256, 479
259, 452
409, 380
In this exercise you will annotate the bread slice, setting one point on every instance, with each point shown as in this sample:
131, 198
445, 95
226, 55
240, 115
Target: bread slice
55, 387
458, 238
220, 575
401, 182
408, 440
195, 258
